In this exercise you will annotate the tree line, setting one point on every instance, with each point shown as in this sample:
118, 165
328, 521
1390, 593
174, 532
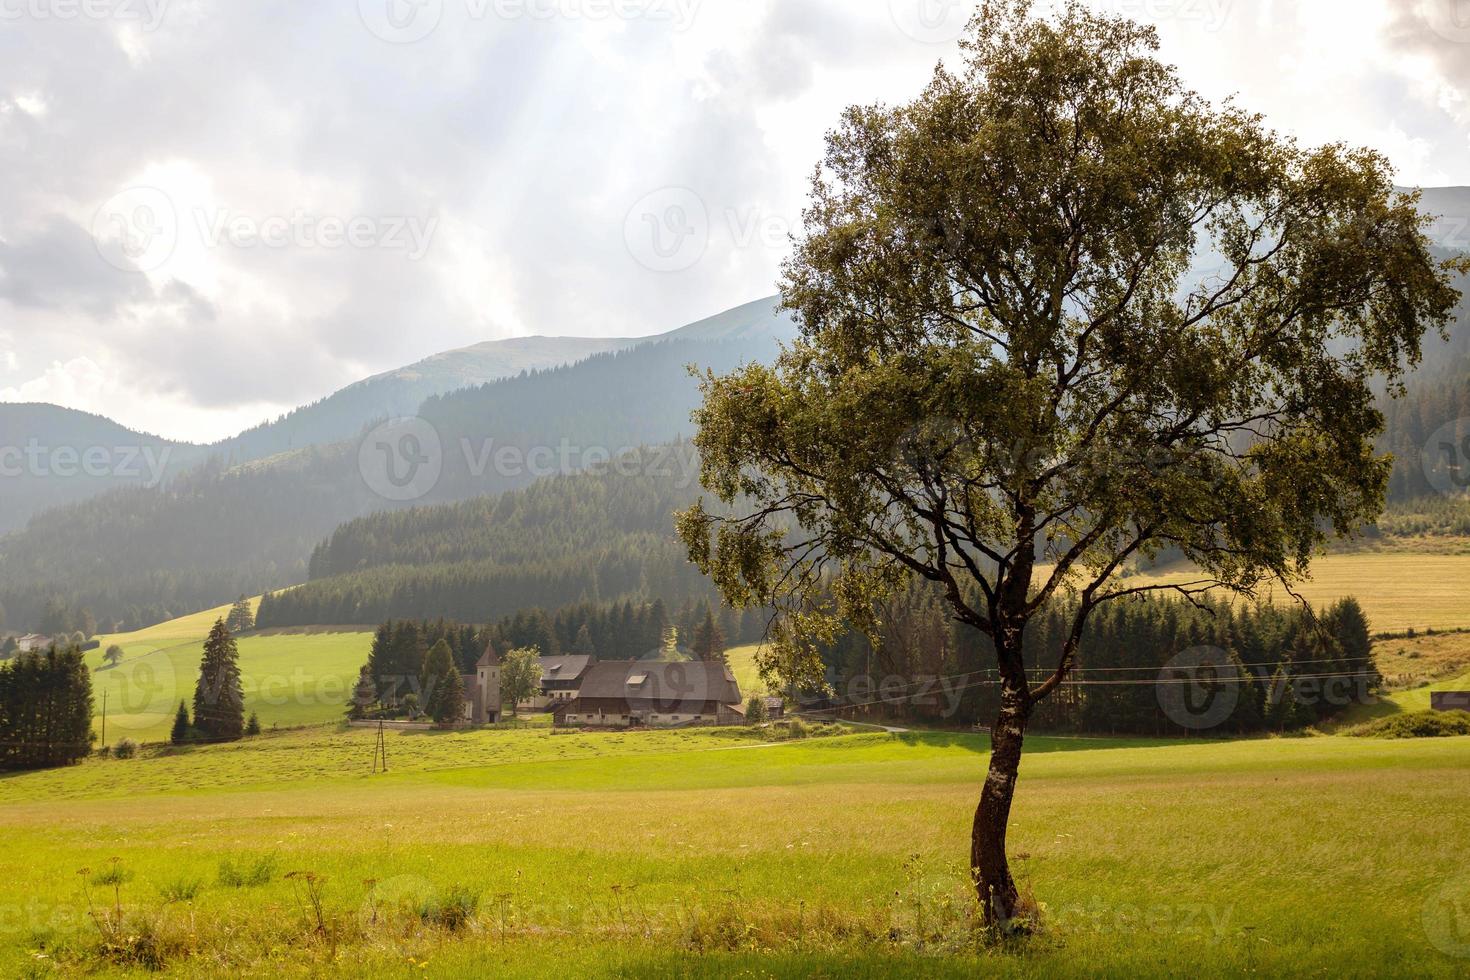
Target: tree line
45, 709
1146, 666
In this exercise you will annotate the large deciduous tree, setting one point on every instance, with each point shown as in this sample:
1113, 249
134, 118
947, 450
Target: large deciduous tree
1058, 314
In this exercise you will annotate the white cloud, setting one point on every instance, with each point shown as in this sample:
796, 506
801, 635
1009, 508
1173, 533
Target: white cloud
525, 141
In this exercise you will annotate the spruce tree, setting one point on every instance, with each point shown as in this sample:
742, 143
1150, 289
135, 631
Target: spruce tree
709, 639
364, 695
252, 727
583, 647
219, 700
443, 686
180, 733
241, 617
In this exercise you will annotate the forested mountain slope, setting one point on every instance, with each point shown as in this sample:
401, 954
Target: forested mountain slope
138, 555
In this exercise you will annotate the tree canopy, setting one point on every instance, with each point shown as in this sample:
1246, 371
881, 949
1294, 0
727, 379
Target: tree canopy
1058, 314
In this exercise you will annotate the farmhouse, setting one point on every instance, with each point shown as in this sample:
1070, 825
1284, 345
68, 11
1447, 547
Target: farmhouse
560, 679
629, 693
31, 642
482, 690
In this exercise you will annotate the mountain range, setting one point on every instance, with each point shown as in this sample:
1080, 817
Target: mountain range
244, 521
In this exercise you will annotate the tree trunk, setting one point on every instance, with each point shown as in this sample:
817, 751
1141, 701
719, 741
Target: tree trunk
988, 864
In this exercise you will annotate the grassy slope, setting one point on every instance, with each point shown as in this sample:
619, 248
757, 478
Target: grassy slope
290, 677
707, 853
1398, 591
742, 665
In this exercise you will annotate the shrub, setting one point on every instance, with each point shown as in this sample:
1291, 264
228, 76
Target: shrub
112, 875
249, 873
755, 710
181, 889
126, 748
1420, 724
452, 909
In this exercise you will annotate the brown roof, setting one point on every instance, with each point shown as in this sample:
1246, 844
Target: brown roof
666, 682
490, 657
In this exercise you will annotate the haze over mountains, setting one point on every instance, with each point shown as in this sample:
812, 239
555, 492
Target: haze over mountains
137, 459
168, 527
141, 552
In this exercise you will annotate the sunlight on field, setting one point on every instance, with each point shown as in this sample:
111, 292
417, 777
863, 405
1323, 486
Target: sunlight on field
742, 665
827, 855
290, 677
1397, 591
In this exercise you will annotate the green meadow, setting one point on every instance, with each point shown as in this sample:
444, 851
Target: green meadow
725, 853
291, 677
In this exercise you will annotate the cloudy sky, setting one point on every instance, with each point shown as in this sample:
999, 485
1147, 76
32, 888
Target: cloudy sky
215, 210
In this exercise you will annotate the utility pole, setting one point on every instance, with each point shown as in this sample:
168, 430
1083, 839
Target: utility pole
380, 750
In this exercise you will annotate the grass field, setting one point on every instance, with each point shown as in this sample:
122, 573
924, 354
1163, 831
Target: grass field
717, 854
291, 677
742, 665
1398, 591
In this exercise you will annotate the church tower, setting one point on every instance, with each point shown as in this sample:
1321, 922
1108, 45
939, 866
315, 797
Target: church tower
487, 676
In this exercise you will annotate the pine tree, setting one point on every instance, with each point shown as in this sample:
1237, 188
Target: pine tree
709, 639
241, 617
583, 647
219, 700
364, 695
252, 727
443, 686
180, 733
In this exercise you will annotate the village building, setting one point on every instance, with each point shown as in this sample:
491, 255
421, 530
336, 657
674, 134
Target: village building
482, 690
631, 693
31, 642
560, 679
